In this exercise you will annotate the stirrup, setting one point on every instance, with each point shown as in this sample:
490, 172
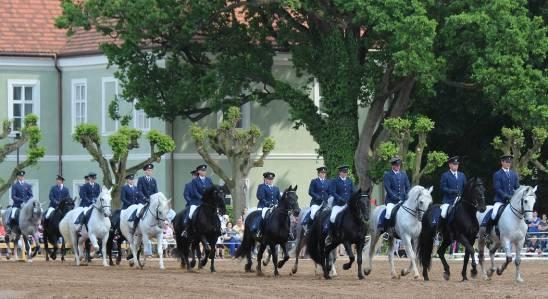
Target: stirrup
328, 240
184, 234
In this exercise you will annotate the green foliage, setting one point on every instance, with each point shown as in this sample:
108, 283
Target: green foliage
526, 152
268, 145
163, 142
423, 125
85, 132
199, 134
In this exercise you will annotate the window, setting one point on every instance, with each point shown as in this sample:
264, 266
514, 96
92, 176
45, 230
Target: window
76, 184
316, 96
109, 94
140, 120
23, 99
79, 102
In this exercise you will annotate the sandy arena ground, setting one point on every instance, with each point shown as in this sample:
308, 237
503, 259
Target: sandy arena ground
63, 280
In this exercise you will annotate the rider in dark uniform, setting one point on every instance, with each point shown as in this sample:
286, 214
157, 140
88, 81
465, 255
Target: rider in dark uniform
505, 182
319, 193
341, 189
198, 187
130, 194
21, 192
147, 186
90, 193
396, 185
268, 196
451, 184
187, 193
56, 194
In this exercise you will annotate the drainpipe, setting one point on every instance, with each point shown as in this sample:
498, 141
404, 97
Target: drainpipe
60, 115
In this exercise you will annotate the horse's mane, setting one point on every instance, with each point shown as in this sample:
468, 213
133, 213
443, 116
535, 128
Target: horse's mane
523, 189
415, 192
158, 197
209, 192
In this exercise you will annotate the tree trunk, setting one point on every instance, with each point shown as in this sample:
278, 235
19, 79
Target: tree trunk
239, 188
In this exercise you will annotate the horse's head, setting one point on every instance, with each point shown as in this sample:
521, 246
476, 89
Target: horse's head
36, 208
215, 196
474, 193
360, 203
290, 201
421, 198
161, 204
66, 205
524, 200
104, 201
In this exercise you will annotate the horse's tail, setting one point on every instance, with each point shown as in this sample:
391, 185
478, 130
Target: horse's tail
426, 238
248, 241
178, 229
313, 245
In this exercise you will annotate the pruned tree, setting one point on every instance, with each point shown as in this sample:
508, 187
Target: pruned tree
526, 152
121, 142
402, 132
31, 135
239, 147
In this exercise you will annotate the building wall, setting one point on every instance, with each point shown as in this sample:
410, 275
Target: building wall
294, 159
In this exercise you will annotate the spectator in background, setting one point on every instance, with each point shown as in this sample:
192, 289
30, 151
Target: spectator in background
534, 245
239, 228
543, 225
533, 225
231, 239
244, 213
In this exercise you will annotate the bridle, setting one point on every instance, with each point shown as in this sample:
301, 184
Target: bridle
417, 212
102, 207
474, 204
159, 221
289, 207
520, 214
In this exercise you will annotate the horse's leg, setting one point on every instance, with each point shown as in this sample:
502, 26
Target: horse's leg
268, 257
409, 250
46, 249
372, 246
274, 254
474, 271
132, 246
469, 250
333, 270
26, 244
350, 254
249, 264
441, 253
62, 249
94, 242
7, 241
508, 250
391, 243
119, 255
327, 262
212, 255
518, 245
104, 251
481, 253
359, 252
492, 252
159, 240
262, 248
207, 251
298, 249
110, 242
285, 254
36, 238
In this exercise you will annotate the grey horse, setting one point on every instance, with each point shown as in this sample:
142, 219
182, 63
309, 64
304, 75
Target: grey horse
30, 216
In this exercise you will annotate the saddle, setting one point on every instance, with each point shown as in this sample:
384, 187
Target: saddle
487, 216
15, 221
392, 221
83, 218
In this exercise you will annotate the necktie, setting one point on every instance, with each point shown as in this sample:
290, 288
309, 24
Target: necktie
456, 175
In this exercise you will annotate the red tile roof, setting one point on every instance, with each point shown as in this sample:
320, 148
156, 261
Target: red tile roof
27, 28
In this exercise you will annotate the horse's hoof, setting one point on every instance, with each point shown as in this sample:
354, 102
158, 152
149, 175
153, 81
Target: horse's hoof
426, 279
367, 271
360, 277
499, 271
111, 263
464, 279
446, 275
280, 264
490, 272
404, 272
106, 265
328, 277
117, 262
29, 261
474, 273
131, 263
396, 277
192, 264
294, 270
346, 266
416, 277
519, 280
265, 263
162, 268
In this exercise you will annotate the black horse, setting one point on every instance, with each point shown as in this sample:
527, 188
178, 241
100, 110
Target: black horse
116, 236
206, 228
463, 228
350, 227
51, 228
275, 232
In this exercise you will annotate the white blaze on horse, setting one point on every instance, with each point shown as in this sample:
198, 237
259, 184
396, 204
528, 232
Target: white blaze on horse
512, 228
30, 216
151, 226
407, 227
98, 226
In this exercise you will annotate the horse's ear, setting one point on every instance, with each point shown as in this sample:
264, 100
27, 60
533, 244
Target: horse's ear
110, 190
535, 189
290, 188
430, 189
295, 189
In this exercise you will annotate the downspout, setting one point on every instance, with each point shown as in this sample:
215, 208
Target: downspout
171, 167
60, 115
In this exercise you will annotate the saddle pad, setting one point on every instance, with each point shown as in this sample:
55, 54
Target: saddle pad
436, 215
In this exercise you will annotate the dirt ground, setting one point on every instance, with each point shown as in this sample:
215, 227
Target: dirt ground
63, 280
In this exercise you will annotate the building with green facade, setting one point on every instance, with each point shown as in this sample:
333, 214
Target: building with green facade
66, 82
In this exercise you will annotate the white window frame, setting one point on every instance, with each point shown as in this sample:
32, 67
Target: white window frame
316, 96
104, 106
35, 100
76, 187
245, 111
74, 84
148, 122
35, 184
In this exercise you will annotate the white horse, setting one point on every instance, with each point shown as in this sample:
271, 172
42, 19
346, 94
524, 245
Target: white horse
408, 227
30, 216
98, 225
512, 228
150, 227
